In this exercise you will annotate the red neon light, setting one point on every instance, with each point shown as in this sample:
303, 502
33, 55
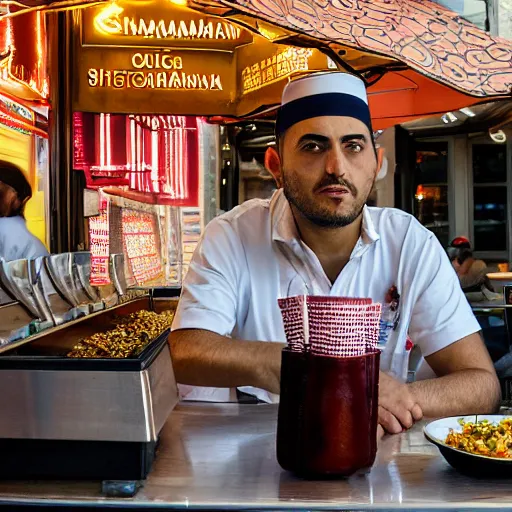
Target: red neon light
154, 158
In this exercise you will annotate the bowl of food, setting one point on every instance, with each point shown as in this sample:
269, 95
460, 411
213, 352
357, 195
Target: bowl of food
476, 445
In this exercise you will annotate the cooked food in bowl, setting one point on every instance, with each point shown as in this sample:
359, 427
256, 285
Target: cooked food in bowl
483, 438
128, 338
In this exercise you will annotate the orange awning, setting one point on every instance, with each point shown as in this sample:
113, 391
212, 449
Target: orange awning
401, 96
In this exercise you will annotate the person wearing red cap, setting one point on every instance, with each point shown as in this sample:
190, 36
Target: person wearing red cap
16, 241
470, 271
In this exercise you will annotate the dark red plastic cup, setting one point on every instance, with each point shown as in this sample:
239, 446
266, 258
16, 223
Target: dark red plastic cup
328, 413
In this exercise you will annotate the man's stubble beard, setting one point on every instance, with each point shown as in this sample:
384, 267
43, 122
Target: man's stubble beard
321, 216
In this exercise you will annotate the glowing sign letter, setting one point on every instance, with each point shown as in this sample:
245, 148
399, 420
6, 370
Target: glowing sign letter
108, 20
92, 74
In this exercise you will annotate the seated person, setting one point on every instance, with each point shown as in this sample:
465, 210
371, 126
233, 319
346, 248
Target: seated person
317, 236
470, 271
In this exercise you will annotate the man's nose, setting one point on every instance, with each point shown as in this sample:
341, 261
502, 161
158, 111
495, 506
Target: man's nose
334, 162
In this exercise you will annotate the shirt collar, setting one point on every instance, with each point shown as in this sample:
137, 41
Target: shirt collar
284, 228
369, 233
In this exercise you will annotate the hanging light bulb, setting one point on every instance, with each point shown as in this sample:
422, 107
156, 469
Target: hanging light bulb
449, 117
467, 111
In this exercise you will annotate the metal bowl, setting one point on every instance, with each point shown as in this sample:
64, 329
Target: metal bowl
469, 464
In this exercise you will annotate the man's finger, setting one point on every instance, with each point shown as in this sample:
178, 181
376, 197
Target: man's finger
416, 412
380, 432
404, 417
388, 421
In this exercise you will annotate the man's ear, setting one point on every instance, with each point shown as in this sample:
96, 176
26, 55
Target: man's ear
273, 165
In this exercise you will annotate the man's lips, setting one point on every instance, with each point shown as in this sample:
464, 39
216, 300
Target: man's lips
333, 191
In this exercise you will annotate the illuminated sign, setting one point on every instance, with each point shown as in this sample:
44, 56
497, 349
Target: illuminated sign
158, 70
281, 65
155, 123
158, 23
23, 72
109, 21
14, 107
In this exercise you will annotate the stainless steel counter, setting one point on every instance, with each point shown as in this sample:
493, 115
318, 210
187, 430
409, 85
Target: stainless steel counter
223, 457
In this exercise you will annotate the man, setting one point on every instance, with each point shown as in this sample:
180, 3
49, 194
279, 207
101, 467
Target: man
316, 236
16, 241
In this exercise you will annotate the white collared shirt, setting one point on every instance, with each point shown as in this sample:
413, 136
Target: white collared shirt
252, 255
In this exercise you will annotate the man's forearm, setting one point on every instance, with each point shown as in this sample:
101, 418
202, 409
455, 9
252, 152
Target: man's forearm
461, 392
204, 358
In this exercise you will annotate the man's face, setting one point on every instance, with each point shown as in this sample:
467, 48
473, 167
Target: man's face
328, 168
9, 201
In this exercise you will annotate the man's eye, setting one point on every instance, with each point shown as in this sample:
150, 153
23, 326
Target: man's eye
354, 147
312, 147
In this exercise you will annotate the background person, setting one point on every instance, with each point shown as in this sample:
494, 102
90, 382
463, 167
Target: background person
16, 241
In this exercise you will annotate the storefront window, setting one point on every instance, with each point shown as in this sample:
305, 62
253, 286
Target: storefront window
489, 163
431, 188
490, 223
490, 197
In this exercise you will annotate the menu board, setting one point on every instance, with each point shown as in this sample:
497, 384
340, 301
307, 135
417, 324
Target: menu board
99, 243
141, 246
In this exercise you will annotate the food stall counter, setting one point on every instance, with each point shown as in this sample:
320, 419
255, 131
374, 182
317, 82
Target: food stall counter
222, 457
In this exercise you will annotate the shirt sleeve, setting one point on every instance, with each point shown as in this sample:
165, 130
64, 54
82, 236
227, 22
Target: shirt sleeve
211, 287
34, 249
441, 314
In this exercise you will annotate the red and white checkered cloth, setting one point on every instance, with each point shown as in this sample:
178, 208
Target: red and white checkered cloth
292, 311
337, 326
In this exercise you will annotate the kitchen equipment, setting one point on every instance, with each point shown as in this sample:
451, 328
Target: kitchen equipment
117, 274
83, 418
16, 322
16, 279
60, 310
39, 293
62, 273
85, 292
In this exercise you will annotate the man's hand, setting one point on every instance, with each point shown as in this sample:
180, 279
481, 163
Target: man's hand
398, 408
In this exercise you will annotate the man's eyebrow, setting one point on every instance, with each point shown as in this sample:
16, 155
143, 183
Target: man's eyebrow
322, 139
353, 136
313, 137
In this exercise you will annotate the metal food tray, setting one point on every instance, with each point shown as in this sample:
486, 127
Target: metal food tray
51, 346
48, 362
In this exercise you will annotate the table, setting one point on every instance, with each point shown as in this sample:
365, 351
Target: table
219, 457
489, 305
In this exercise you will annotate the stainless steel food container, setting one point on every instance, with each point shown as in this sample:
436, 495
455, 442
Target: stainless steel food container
83, 418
